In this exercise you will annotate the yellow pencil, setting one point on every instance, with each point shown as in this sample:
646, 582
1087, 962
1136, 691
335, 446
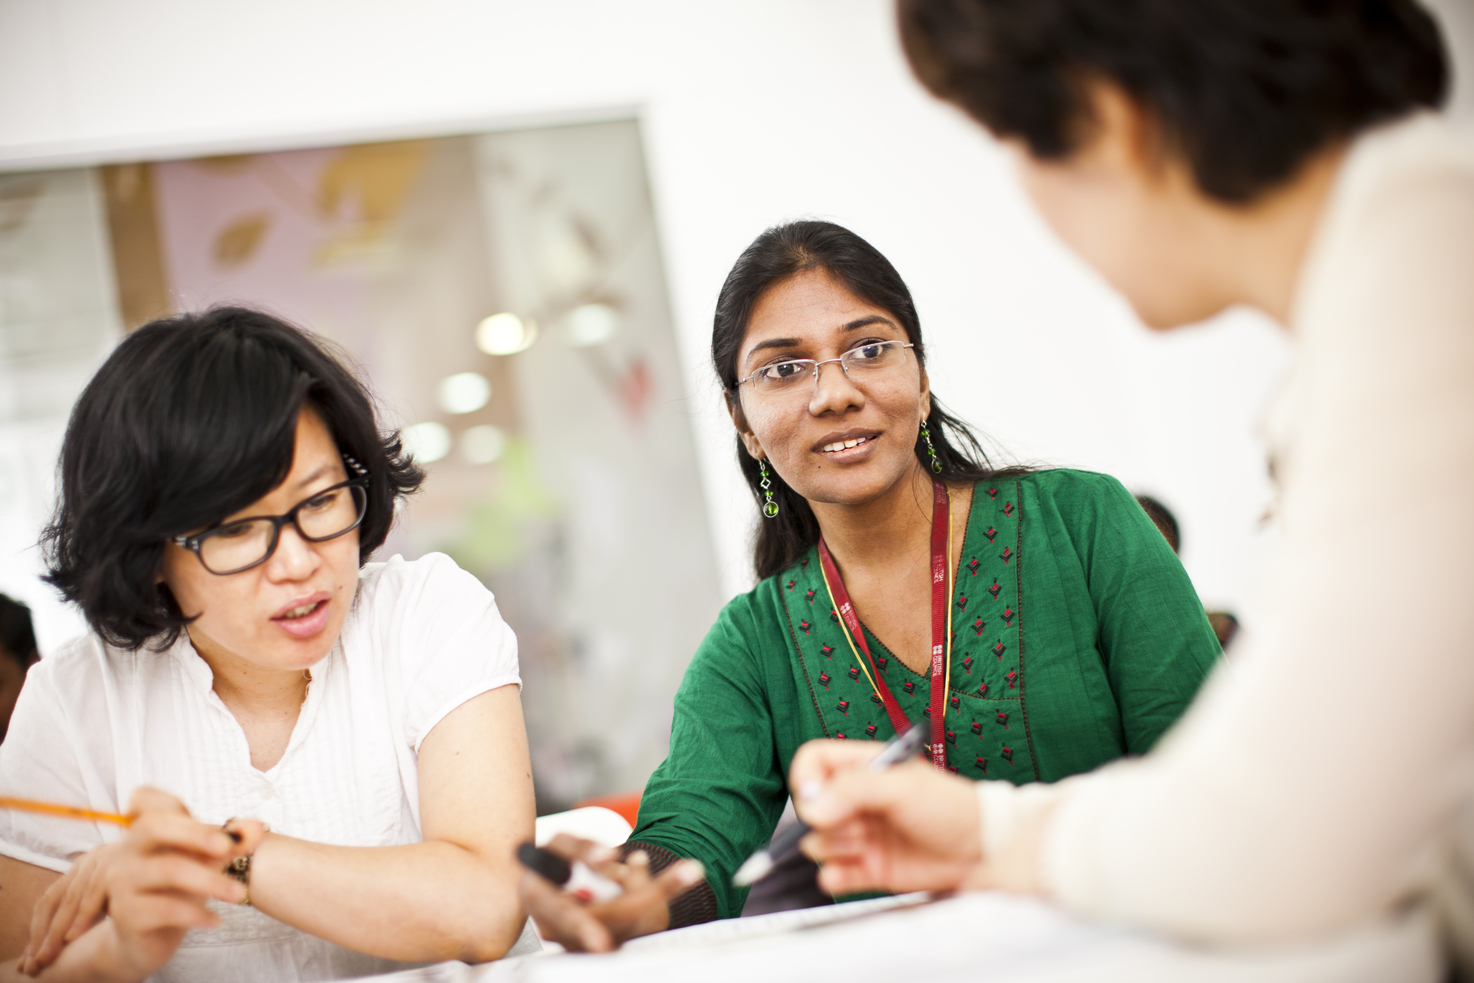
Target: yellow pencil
70, 812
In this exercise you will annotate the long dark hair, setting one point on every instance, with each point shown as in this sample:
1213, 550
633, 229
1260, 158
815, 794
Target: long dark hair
785, 251
190, 419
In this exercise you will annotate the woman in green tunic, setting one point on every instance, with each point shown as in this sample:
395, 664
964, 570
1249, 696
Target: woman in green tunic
1058, 632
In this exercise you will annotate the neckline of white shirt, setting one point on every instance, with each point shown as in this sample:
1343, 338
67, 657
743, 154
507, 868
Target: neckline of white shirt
198, 672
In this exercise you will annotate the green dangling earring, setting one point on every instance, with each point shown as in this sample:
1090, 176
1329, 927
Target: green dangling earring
770, 507
931, 452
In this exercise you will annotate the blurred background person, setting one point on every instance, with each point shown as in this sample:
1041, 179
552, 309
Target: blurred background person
1225, 625
1279, 155
1163, 519
17, 655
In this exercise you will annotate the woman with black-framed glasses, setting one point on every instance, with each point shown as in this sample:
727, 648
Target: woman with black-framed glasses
1035, 619
324, 759
240, 544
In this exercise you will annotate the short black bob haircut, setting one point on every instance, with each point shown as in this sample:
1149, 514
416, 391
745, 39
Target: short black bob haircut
780, 253
1244, 90
190, 419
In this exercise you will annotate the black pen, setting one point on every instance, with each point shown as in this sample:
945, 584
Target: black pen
759, 865
574, 877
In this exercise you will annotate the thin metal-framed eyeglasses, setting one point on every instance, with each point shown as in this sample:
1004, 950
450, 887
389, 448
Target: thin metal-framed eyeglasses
239, 545
790, 376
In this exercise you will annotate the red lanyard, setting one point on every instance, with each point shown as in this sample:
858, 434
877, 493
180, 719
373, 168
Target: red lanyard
940, 524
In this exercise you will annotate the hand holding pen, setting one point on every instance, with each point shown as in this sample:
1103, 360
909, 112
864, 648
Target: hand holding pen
899, 750
583, 898
908, 828
620, 900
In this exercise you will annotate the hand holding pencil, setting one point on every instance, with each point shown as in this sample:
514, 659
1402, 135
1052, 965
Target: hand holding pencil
151, 897
64, 811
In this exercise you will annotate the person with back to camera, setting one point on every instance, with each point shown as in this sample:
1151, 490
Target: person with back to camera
17, 655
1275, 154
1070, 633
347, 737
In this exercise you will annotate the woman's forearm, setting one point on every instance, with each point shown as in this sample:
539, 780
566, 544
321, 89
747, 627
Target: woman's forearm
419, 902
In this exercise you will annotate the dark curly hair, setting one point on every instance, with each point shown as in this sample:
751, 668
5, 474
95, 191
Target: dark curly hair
192, 418
785, 251
1244, 90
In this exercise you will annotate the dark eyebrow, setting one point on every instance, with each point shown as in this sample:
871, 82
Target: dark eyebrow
772, 343
325, 469
791, 342
865, 322
320, 472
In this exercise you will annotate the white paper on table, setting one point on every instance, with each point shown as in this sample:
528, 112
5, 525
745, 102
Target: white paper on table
995, 938
986, 937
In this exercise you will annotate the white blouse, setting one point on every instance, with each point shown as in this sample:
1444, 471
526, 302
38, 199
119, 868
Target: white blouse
93, 723
1327, 771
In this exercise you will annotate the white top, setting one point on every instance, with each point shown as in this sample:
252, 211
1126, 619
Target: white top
93, 723
1326, 771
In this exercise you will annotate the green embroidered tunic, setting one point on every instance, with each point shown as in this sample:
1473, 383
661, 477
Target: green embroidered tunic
1076, 638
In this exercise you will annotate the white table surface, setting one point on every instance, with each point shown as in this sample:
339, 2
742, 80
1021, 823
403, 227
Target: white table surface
983, 937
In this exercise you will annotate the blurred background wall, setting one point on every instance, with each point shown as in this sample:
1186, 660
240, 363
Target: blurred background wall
720, 117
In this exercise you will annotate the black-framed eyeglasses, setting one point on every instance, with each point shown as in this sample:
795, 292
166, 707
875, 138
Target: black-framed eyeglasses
798, 375
239, 545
